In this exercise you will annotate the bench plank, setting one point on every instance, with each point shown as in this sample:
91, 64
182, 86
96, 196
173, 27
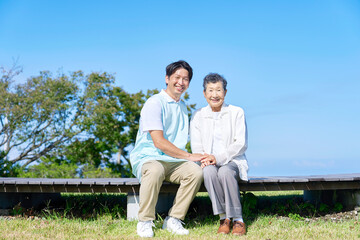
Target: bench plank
272, 183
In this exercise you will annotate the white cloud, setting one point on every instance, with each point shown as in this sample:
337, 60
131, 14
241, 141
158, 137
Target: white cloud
255, 164
315, 164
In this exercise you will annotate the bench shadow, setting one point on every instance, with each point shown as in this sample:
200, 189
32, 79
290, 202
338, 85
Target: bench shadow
92, 206
87, 206
254, 206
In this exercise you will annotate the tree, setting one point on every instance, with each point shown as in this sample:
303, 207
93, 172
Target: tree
69, 122
111, 123
37, 116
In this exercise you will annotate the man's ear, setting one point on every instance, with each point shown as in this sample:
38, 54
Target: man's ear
166, 80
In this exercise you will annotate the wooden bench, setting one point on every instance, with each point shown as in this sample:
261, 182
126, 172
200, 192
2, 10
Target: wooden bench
314, 187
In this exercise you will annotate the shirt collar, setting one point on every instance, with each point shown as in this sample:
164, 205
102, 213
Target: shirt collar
167, 97
208, 112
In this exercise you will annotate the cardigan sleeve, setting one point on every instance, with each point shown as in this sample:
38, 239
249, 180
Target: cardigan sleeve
238, 142
195, 133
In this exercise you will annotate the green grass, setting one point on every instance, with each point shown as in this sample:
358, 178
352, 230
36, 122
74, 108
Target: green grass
102, 216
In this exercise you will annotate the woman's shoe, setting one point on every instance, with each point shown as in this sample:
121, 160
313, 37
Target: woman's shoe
239, 228
224, 226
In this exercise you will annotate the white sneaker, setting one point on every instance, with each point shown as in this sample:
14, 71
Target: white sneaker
144, 228
174, 225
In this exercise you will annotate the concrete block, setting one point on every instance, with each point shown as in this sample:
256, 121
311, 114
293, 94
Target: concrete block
132, 207
164, 203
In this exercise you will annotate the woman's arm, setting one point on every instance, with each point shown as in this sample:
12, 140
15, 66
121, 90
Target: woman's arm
195, 134
238, 143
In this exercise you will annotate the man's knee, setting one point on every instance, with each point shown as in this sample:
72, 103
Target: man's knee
199, 174
194, 171
153, 171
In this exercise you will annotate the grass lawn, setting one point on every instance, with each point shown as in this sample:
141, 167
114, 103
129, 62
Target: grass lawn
278, 215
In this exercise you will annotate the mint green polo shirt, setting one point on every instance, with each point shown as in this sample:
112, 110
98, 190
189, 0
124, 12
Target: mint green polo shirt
175, 126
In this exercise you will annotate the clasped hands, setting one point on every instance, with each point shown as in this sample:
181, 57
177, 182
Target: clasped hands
208, 160
205, 159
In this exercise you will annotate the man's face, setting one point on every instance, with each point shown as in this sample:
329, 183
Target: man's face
177, 83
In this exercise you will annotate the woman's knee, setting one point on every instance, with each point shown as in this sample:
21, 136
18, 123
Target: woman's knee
226, 173
210, 172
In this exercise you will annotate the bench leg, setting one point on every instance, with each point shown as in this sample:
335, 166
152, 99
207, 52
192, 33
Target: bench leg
350, 199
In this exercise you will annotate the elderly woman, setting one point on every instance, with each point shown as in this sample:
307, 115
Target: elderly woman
219, 131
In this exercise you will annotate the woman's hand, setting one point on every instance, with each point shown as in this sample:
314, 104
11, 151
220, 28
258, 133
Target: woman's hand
208, 160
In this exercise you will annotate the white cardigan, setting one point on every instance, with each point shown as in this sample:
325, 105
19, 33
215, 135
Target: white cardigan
235, 135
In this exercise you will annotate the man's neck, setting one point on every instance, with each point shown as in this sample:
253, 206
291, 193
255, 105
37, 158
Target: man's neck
173, 97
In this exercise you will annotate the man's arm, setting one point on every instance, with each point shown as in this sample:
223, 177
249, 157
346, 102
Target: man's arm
170, 149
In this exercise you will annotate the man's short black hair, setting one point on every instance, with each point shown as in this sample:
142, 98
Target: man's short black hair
214, 78
173, 67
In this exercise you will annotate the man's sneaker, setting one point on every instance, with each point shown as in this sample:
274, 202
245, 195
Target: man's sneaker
174, 225
144, 228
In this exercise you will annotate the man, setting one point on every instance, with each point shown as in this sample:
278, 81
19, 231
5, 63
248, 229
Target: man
159, 153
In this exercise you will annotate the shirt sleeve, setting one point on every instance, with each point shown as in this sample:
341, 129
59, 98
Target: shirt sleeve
150, 116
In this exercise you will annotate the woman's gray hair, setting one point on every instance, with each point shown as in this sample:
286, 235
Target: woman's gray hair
214, 78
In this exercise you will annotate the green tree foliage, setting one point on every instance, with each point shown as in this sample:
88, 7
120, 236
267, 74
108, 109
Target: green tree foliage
51, 168
37, 116
68, 126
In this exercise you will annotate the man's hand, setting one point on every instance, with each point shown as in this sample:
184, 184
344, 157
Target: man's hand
208, 160
196, 157
170, 149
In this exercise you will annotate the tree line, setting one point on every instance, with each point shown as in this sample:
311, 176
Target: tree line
67, 125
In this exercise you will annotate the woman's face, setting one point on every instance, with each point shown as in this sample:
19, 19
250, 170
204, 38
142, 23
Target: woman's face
215, 95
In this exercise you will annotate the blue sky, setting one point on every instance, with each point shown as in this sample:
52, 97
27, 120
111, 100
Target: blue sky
293, 66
